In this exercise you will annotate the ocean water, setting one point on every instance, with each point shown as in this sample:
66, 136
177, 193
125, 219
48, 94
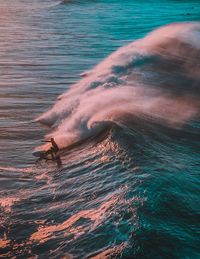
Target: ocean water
117, 84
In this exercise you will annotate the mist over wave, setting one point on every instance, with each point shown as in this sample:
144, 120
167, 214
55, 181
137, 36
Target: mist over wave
130, 190
156, 78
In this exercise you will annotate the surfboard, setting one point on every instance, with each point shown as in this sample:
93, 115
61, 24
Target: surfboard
39, 153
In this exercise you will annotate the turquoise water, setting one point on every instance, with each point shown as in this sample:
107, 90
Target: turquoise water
130, 188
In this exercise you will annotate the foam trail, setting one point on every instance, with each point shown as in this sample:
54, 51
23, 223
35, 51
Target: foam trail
157, 76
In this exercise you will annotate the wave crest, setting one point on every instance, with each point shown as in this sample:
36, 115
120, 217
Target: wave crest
155, 77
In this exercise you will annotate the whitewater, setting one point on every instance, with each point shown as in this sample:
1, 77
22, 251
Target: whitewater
117, 85
156, 77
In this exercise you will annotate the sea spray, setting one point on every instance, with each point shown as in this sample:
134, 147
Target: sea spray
156, 77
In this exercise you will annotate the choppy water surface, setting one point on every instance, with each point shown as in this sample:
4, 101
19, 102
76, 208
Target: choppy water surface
130, 188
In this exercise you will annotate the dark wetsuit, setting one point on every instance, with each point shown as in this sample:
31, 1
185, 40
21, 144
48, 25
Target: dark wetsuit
55, 147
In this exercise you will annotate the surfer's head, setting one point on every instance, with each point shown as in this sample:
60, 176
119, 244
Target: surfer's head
52, 141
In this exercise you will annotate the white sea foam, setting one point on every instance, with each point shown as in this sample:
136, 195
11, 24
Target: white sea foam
157, 76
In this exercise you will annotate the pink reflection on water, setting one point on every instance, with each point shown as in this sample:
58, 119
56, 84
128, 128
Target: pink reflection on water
44, 233
7, 203
113, 251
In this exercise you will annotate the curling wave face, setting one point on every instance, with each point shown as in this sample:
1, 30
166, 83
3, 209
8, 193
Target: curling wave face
155, 78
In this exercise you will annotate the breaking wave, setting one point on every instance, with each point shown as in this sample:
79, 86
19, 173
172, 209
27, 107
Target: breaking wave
155, 78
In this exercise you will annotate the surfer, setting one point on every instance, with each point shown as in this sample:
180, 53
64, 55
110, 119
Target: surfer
52, 151
54, 148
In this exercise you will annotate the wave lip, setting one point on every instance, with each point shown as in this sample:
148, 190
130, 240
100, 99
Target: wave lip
156, 77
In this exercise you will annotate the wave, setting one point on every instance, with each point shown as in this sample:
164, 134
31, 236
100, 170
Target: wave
155, 78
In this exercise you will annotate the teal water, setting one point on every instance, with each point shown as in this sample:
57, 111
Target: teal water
130, 190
